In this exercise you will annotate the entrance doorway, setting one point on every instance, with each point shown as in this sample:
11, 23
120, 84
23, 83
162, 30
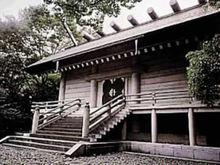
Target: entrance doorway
112, 88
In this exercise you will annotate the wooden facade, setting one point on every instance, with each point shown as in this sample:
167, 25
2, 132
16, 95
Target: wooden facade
149, 69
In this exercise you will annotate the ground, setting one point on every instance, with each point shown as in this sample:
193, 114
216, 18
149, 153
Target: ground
18, 156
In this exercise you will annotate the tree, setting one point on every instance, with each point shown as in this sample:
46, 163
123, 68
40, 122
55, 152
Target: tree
90, 13
203, 73
36, 35
214, 3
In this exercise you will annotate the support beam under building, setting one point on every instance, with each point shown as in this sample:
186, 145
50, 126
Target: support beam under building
153, 126
191, 127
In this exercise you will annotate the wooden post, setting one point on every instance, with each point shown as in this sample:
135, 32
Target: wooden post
35, 120
93, 93
85, 128
109, 110
135, 85
191, 127
124, 131
153, 126
62, 88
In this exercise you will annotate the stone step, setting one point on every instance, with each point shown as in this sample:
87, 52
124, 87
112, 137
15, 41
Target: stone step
67, 123
61, 137
72, 119
62, 129
33, 148
39, 145
71, 126
45, 141
60, 132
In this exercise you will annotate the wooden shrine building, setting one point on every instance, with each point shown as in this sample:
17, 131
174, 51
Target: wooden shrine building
131, 85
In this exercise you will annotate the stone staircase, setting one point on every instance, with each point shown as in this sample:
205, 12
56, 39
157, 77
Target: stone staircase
51, 145
68, 128
64, 132
59, 136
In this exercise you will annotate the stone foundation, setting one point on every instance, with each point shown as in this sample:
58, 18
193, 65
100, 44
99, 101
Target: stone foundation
171, 150
180, 151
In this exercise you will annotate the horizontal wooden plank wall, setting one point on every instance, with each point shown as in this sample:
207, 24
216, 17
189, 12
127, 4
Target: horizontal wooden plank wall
164, 72
76, 85
165, 79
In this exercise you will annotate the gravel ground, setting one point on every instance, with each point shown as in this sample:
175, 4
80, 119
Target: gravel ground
18, 156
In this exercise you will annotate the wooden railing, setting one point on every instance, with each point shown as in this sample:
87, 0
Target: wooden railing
92, 120
107, 111
162, 97
47, 112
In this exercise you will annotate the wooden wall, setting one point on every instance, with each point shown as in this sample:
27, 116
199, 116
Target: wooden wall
158, 71
163, 72
76, 85
164, 79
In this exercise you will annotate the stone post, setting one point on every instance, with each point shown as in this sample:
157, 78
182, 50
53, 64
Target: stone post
135, 85
153, 126
35, 120
93, 93
191, 127
85, 127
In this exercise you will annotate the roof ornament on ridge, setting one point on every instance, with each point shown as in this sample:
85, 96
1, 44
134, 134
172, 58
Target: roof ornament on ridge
175, 6
152, 13
115, 26
132, 20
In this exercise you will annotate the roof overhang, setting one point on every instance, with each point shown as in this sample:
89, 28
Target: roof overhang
187, 16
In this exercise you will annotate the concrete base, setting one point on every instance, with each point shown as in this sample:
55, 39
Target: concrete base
170, 150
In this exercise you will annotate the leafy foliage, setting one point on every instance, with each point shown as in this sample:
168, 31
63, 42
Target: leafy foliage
204, 71
92, 12
37, 34
215, 3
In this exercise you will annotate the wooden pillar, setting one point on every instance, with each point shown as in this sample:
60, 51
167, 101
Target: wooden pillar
153, 126
124, 131
62, 87
93, 93
135, 85
35, 120
85, 127
191, 127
